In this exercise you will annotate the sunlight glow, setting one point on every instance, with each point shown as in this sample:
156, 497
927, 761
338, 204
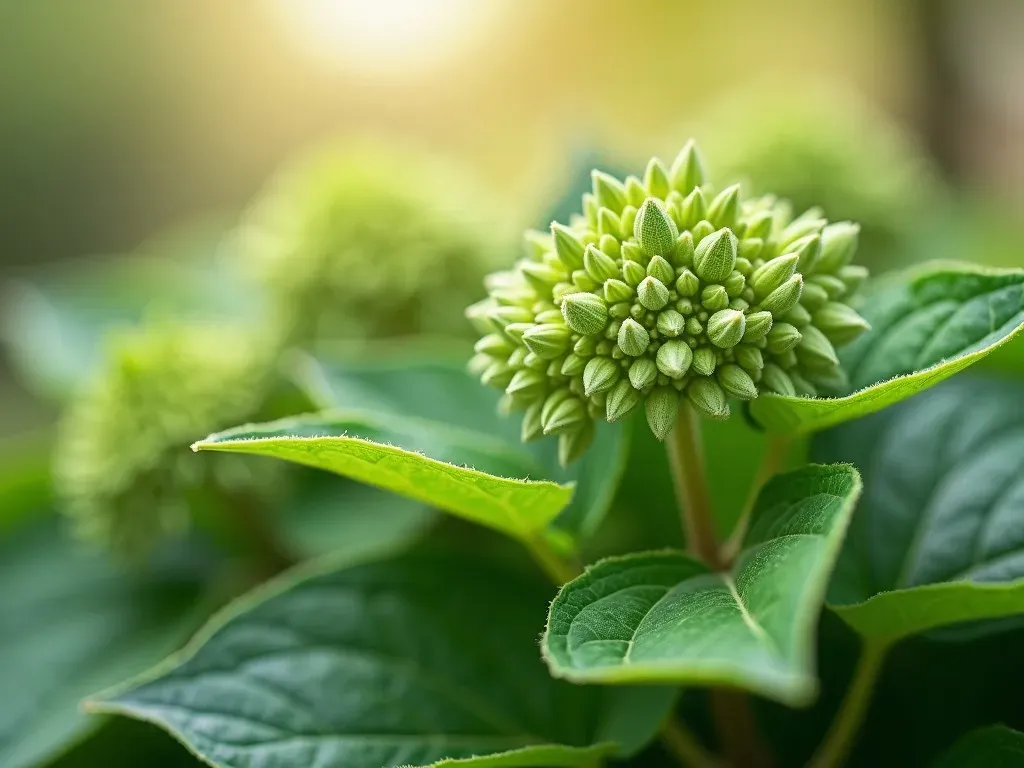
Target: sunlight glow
379, 35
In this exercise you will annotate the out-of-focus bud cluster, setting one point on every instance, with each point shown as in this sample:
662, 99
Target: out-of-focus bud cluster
364, 240
122, 466
665, 290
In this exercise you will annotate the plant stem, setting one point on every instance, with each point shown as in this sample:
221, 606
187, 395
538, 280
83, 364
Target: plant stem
775, 453
246, 515
557, 568
840, 737
684, 746
737, 729
686, 462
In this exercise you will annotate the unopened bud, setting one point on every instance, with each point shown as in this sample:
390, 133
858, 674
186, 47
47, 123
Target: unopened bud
622, 399
758, 325
567, 245
782, 338
777, 380
674, 359
838, 245
772, 274
652, 293
633, 272
662, 407
708, 397
723, 210
715, 256
671, 323
654, 228
714, 298
527, 383
785, 297
599, 265
569, 413
659, 268
609, 191
840, 323
642, 373
726, 327
704, 361
585, 313
656, 179
547, 341
736, 382
600, 375
574, 443
633, 337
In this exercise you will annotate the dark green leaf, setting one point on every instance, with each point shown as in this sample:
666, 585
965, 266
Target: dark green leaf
994, 747
420, 660
74, 624
664, 617
926, 325
939, 536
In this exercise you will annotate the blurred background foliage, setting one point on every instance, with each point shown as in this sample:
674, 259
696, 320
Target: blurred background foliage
141, 144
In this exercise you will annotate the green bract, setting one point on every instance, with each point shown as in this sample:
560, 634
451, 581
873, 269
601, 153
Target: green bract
122, 466
665, 289
364, 240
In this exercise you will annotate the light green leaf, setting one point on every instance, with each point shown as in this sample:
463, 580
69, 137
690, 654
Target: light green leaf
663, 617
926, 325
408, 384
993, 747
363, 447
939, 536
422, 660
74, 624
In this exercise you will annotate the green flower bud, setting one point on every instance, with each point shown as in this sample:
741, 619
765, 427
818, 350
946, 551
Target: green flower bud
704, 361
688, 283
687, 170
808, 251
498, 374
815, 350
736, 382
635, 192
683, 256
758, 325
803, 387
527, 383
549, 316
773, 274
813, 296
652, 293
633, 337
567, 245
586, 347
620, 311
582, 281
701, 230
662, 408
785, 297
627, 220
659, 268
537, 244
573, 365
694, 327
654, 228
585, 313
749, 358
502, 316
570, 413
616, 291
854, 276
708, 397
838, 245
671, 323
532, 427
797, 316
760, 225
609, 246
609, 192
714, 298
715, 256
574, 443
547, 341
840, 323
725, 207
749, 249
777, 380
622, 399
734, 284
633, 273
600, 375
726, 327
834, 286
608, 223
642, 373
674, 359
806, 224
541, 277
599, 265
782, 338
479, 363
493, 344
656, 179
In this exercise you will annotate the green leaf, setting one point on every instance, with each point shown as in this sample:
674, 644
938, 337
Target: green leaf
412, 386
54, 323
74, 624
663, 617
926, 325
939, 537
993, 747
363, 447
422, 660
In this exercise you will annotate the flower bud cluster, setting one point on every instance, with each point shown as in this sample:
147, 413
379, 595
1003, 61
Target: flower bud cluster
367, 241
123, 470
664, 291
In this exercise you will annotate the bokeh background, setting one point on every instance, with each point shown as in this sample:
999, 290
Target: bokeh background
121, 121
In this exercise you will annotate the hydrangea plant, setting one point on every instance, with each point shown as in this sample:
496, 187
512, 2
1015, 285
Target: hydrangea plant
664, 292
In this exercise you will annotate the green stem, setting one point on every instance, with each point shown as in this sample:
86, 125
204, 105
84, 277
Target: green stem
686, 462
834, 749
684, 746
557, 568
774, 456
